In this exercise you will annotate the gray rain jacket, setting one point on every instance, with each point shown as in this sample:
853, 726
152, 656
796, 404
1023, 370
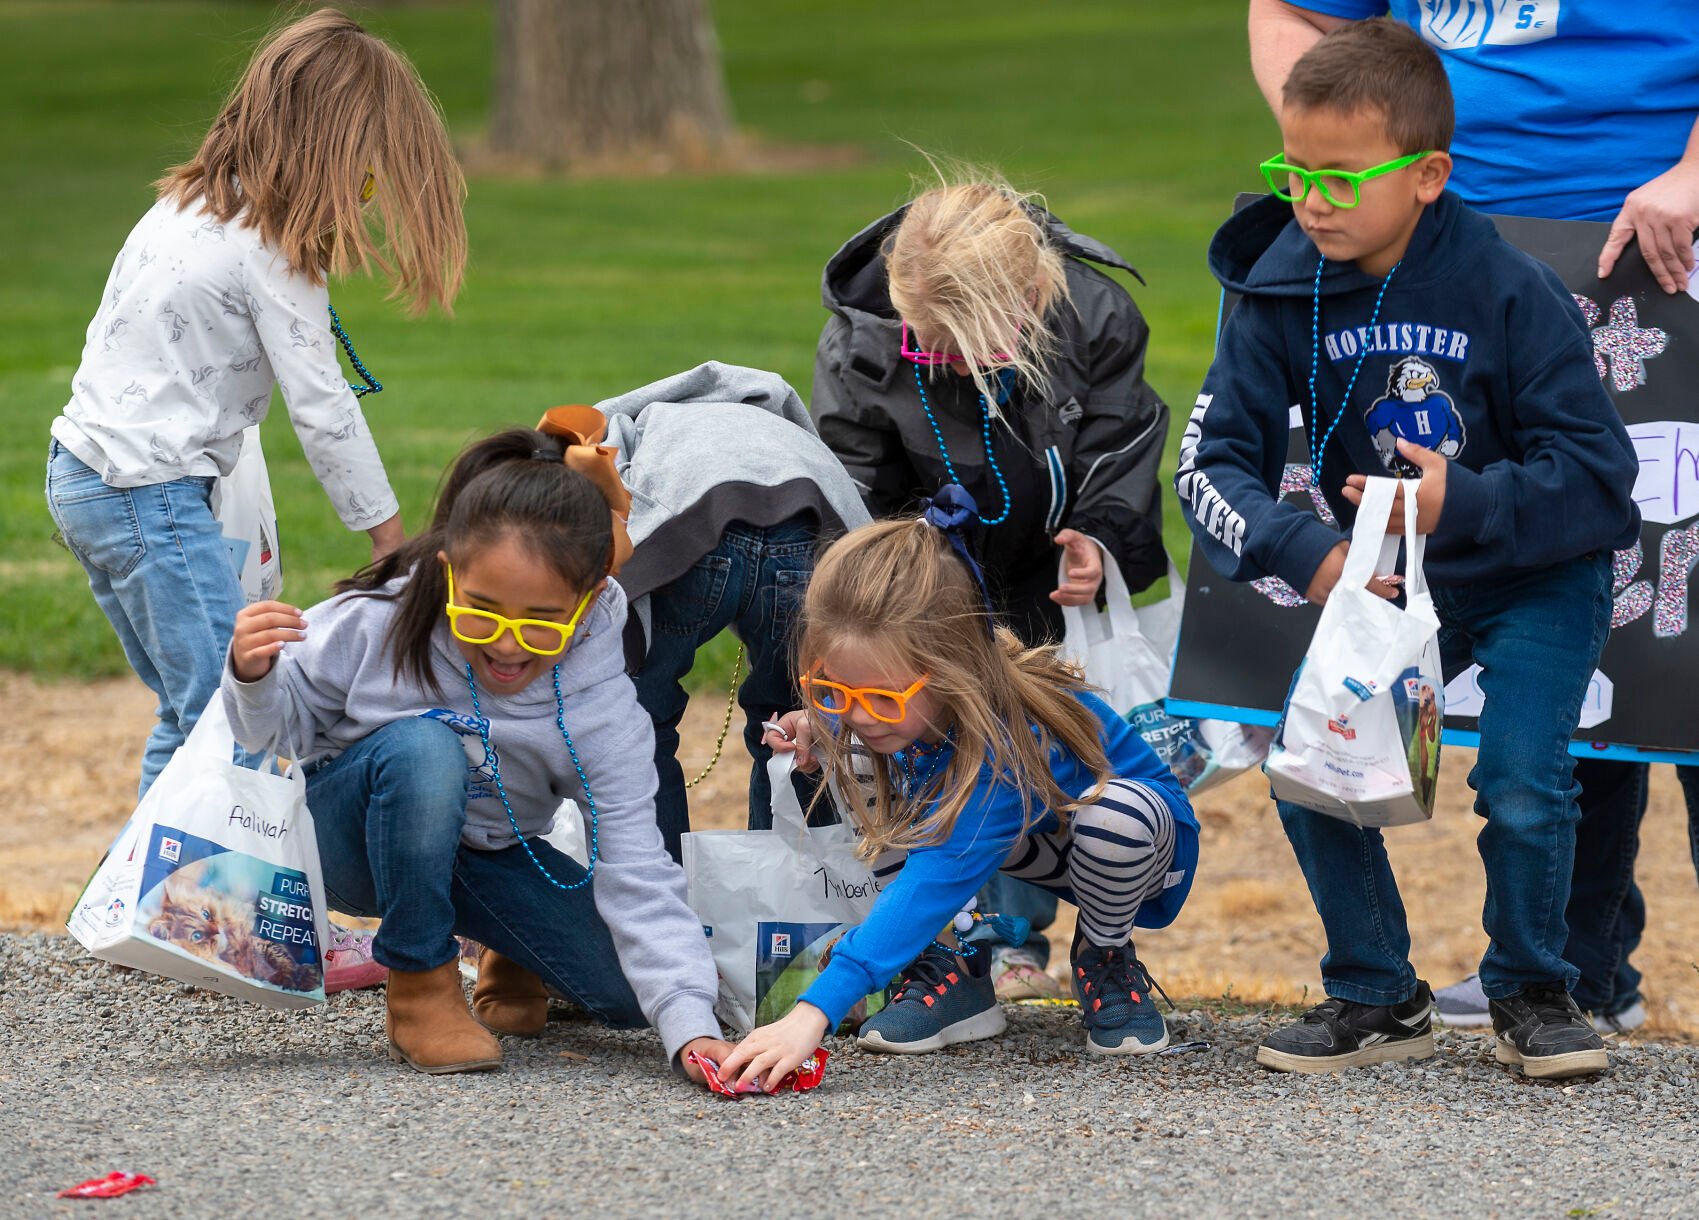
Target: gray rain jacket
1092, 449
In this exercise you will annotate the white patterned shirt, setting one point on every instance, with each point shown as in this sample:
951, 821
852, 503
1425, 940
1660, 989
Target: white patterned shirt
198, 319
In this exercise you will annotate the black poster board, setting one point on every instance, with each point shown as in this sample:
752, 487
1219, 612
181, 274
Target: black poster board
1239, 643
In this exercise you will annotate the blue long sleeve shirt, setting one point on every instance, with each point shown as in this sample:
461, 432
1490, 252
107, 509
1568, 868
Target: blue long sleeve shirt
936, 881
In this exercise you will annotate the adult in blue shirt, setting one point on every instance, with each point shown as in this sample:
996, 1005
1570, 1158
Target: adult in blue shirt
1571, 110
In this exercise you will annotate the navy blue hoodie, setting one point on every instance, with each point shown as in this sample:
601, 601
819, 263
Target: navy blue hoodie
1479, 352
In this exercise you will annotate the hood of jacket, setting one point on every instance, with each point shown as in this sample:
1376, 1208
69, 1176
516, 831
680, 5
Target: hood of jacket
1261, 250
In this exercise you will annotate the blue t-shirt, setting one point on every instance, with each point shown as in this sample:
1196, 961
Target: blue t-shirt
1563, 106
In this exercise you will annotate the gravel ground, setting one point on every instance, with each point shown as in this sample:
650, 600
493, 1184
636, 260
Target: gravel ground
234, 1108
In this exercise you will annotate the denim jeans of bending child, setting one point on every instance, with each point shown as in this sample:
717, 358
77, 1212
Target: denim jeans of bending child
1537, 636
751, 582
160, 570
388, 812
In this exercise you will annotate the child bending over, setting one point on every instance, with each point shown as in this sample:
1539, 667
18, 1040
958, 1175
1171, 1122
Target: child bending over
973, 754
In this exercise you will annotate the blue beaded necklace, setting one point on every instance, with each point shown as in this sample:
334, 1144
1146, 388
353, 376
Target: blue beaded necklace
501, 790
985, 431
371, 385
1315, 362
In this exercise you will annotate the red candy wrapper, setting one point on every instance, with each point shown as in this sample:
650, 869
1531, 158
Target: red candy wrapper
113, 1184
799, 1081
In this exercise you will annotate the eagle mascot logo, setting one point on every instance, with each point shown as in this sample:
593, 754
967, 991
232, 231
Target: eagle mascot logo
1414, 409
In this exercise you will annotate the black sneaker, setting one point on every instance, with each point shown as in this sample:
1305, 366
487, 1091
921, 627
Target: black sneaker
1338, 1034
1541, 1029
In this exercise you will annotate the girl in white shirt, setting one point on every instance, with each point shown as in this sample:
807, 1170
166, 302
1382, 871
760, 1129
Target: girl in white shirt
328, 157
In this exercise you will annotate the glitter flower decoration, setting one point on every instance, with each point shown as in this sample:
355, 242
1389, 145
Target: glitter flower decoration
1622, 346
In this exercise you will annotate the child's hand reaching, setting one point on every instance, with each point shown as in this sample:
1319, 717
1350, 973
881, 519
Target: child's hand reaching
1082, 567
1328, 574
709, 1048
262, 630
793, 732
774, 1051
1430, 493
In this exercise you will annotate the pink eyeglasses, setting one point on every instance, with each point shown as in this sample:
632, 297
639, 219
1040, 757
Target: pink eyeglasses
935, 358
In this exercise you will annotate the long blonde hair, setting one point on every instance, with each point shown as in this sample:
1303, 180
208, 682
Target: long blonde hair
895, 591
970, 265
322, 104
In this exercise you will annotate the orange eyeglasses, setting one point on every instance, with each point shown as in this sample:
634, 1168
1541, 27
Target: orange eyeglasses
885, 706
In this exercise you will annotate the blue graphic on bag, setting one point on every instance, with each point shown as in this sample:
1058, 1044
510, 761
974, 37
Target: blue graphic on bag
252, 917
1176, 741
788, 958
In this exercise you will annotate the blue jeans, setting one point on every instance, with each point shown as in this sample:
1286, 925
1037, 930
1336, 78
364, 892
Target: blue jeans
1607, 913
388, 812
751, 582
1004, 895
160, 571
1537, 637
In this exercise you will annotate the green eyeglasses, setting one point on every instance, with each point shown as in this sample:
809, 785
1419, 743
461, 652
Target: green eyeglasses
1343, 188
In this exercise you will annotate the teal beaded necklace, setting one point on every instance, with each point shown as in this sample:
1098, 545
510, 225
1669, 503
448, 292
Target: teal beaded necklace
501, 790
369, 384
985, 431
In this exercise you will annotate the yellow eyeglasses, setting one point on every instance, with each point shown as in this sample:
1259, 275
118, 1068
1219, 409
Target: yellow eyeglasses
538, 635
885, 706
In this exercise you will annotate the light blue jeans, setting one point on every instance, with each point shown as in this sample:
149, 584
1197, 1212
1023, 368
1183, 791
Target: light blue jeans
159, 568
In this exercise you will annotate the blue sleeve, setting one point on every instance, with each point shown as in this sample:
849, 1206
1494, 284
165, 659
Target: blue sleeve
935, 883
1234, 452
1351, 10
1572, 490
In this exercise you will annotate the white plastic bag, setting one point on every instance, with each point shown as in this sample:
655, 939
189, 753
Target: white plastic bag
773, 901
215, 879
1360, 735
242, 502
1128, 653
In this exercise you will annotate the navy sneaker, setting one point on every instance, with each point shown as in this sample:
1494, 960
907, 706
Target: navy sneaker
1338, 1034
1541, 1031
937, 1004
1116, 1004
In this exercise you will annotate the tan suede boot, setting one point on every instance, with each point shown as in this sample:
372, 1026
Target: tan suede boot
508, 998
428, 1025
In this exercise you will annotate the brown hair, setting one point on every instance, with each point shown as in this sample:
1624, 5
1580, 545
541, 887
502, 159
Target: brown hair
1384, 66
512, 484
969, 264
322, 104
896, 591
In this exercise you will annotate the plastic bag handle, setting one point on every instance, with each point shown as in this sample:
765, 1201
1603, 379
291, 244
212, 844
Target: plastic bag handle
213, 739
787, 810
1368, 535
1119, 599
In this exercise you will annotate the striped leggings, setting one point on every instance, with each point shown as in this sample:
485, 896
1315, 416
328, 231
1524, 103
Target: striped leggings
1107, 860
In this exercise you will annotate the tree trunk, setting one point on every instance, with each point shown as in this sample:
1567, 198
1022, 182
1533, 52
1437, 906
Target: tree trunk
609, 84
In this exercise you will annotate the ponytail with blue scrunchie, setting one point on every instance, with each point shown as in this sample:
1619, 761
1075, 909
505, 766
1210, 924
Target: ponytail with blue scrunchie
950, 512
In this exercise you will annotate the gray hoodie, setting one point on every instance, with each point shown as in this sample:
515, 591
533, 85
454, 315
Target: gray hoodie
339, 685
716, 444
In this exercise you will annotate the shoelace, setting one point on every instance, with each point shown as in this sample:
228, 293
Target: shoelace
929, 972
1550, 1004
1124, 972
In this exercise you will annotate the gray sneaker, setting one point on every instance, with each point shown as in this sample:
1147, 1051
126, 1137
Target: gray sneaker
936, 1004
1463, 1005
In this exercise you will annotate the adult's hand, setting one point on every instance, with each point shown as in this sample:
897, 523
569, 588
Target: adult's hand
1662, 215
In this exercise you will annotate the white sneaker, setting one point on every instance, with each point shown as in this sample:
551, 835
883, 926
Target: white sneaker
1463, 1005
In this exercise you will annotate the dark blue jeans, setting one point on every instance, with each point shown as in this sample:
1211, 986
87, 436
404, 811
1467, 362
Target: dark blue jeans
387, 813
753, 583
1537, 637
1607, 913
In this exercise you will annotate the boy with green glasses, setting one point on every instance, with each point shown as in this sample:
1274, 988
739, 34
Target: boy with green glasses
1417, 343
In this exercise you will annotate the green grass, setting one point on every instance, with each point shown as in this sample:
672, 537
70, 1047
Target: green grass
1137, 121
